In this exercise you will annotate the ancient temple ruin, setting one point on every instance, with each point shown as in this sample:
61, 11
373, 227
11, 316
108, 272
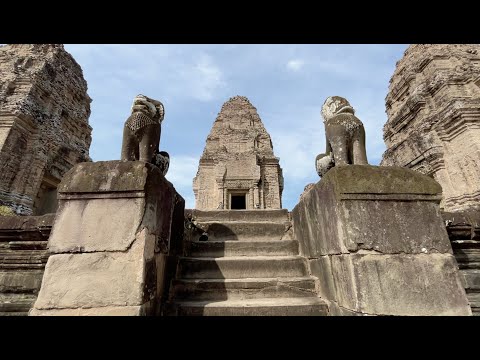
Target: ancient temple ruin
433, 109
238, 169
364, 240
44, 131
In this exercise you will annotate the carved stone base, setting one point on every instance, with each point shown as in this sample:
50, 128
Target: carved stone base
375, 239
116, 225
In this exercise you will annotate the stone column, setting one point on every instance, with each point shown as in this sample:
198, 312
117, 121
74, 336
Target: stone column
262, 197
375, 239
226, 202
256, 194
251, 202
221, 194
117, 226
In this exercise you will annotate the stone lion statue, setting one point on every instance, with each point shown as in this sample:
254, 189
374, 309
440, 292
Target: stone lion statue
345, 136
141, 133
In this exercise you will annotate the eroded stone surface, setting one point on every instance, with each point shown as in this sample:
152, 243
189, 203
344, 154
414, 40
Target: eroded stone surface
100, 311
371, 208
23, 255
248, 270
44, 131
464, 231
238, 160
400, 284
93, 280
345, 136
96, 225
118, 225
433, 109
375, 239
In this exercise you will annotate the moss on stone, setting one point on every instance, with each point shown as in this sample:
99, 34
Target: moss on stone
369, 179
6, 211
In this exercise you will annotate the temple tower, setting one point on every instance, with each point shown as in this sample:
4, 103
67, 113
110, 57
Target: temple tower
433, 126
238, 169
44, 131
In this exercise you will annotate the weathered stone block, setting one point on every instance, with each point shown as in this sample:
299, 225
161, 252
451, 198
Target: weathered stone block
44, 130
96, 225
370, 207
399, 284
432, 124
93, 280
322, 269
20, 281
375, 239
101, 311
111, 240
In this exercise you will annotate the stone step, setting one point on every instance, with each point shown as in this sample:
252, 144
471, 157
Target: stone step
274, 216
22, 266
256, 307
242, 267
248, 288
23, 313
14, 303
243, 248
244, 231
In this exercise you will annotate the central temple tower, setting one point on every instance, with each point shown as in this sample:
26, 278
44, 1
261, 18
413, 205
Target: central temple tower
238, 169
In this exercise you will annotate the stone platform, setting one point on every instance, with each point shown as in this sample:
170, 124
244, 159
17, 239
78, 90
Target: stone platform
375, 239
116, 227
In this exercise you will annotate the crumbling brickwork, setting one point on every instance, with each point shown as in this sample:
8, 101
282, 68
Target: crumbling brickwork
238, 163
44, 130
433, 126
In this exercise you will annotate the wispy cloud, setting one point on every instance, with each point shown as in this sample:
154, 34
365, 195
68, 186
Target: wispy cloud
181, 172
295, 64
205, 79
194, 80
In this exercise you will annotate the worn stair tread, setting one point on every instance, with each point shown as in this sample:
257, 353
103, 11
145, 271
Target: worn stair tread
252, 239
243, 242
243, 248
267, 215
242, 258
243, 230
243, 288
247, 280
249, 242
271, 302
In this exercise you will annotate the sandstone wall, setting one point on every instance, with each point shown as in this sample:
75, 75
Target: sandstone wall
117, 231
375, 239
44, 131
464, 232
433, 126
238, 159
23, 255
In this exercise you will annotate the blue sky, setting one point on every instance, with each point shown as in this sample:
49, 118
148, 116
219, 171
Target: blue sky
286, 83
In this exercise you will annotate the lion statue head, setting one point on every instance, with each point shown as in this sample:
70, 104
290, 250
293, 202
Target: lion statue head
335, 105
150, 107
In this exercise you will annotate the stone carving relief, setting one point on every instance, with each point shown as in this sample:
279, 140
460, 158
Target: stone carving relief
345, 136
141, 133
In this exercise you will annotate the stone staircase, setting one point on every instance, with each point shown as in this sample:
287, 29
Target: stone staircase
248, 266
23, 256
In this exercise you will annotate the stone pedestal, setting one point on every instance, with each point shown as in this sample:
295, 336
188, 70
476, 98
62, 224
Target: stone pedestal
116, 226
375, 239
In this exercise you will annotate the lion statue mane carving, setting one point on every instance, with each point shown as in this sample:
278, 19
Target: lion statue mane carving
141, 133
345, 136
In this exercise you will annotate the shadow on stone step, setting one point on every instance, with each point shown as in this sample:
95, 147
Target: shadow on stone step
199, 278
214, 231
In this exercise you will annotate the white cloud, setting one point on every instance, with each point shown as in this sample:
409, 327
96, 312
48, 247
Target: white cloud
181, 172
295, 64
205, 79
